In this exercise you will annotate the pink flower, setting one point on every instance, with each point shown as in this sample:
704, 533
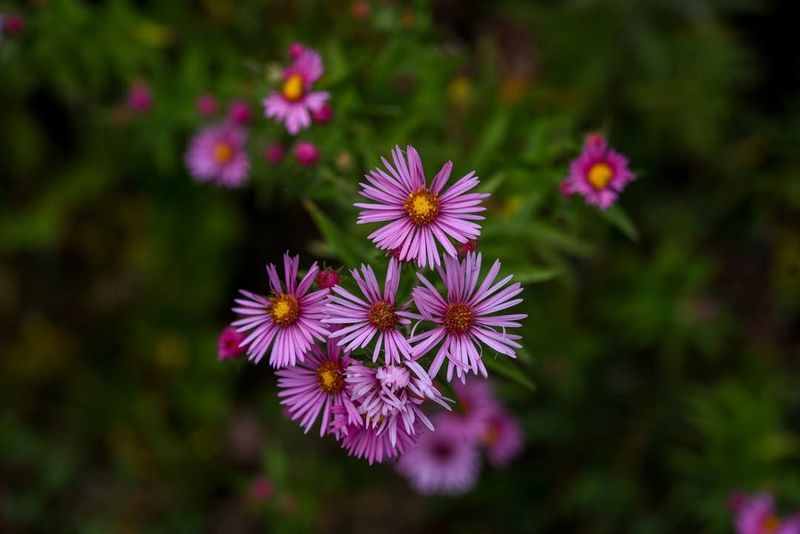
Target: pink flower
375, 446
295, 49
206, 104
306, 153
323, 115
419, 216
217, 153
139, 98
317, 385
295, 102
327, 278
463, 319
288, 321
274, 153
599, 173
443, 462
502, 437
469, 246
11, 25
373, 313
229, 344
239, 112
756, 515
260, 489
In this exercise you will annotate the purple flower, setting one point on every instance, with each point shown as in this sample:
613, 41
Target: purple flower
419, 216
316, 385
323, 115
306, 153
373, 313
327, 278
445, 462
756, 515
295, 49
229, 344
274, 153
206, 104
599, 173
288, 321
375, 446
477, 400
464, 318
217, 153
239, 112
295, 102
140, 99
502, 437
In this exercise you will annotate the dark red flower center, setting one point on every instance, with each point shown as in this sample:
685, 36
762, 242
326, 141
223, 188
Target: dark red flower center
458, 318
422, 207
382, 315
442, 450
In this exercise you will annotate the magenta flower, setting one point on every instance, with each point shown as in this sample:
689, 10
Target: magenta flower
306, 153
464, 317
274, 153
295, 49
502, 437
260, 489
419, 216
476, 399
11, 24
375, 446
756, 515
443, 462
288, 321
206, 104
373, 313
323, 115
599, 173
217, 153
239, 112
316, 385
327, 278
295, 102
229, 344
140, 99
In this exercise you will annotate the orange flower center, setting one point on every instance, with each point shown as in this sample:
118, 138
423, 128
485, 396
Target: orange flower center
422, 207
771, 524
330, 377
223, 152
284, 310
382, 315
599, 175
293, 87
458, 318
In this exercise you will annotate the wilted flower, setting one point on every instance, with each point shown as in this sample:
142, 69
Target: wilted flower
756, 515
419, 216
217, 153
229, 344
599, 173
206, 104
288, 321
295, 102
306, 153
463, 318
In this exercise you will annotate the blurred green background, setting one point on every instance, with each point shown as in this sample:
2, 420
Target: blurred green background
663, 336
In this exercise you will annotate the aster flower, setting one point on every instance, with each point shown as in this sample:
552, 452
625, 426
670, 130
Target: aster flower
140, 99
327, 278
374, 313
389, 398
476, 399
288, 321
756, 515
323, 115
315, 385
217, 153
374, 446
446, 461
229, 344
239, 112
502, 437
307, 153
419, 216
295, 102
463, 319
206, 104
599, 173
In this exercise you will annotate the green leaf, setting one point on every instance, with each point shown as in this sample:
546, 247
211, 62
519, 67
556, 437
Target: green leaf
342, 244
536, 274
509, 370
492, 138
620, 220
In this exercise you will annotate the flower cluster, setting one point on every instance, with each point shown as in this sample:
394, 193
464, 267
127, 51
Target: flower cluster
755, 514
361, 360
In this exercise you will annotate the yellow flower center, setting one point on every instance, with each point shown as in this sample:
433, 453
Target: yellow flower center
381, 314
284, 310
458, 318
771, 524
599, 175
330, 377
223, 152
293, 87
422, 207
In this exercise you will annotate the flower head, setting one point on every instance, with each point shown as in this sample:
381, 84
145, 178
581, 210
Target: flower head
316, 385
288, 321
374, 313
419, 216
599, 173
463, 318
239, 112
295, 102
756, 515
206, 104
217, 153
446, 461
140, 99
274, 153
502, 437
375, 446
229, 344
323, 115
295, 49
327, 278
11, 24
306, 153
261, 489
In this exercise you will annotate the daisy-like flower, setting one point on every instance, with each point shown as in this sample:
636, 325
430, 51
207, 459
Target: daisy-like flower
217, 153
419, 217
502, 437
756, 515
295, 102
288, 321
599, 173
463, 318
229, 344
316, 385
444, 462
374, 313
375, 446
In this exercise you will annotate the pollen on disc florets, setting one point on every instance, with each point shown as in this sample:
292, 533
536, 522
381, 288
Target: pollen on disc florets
331, 379
223, 152
382, 315
293, 87
422, 207
458, 318
284, 310
599, 175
